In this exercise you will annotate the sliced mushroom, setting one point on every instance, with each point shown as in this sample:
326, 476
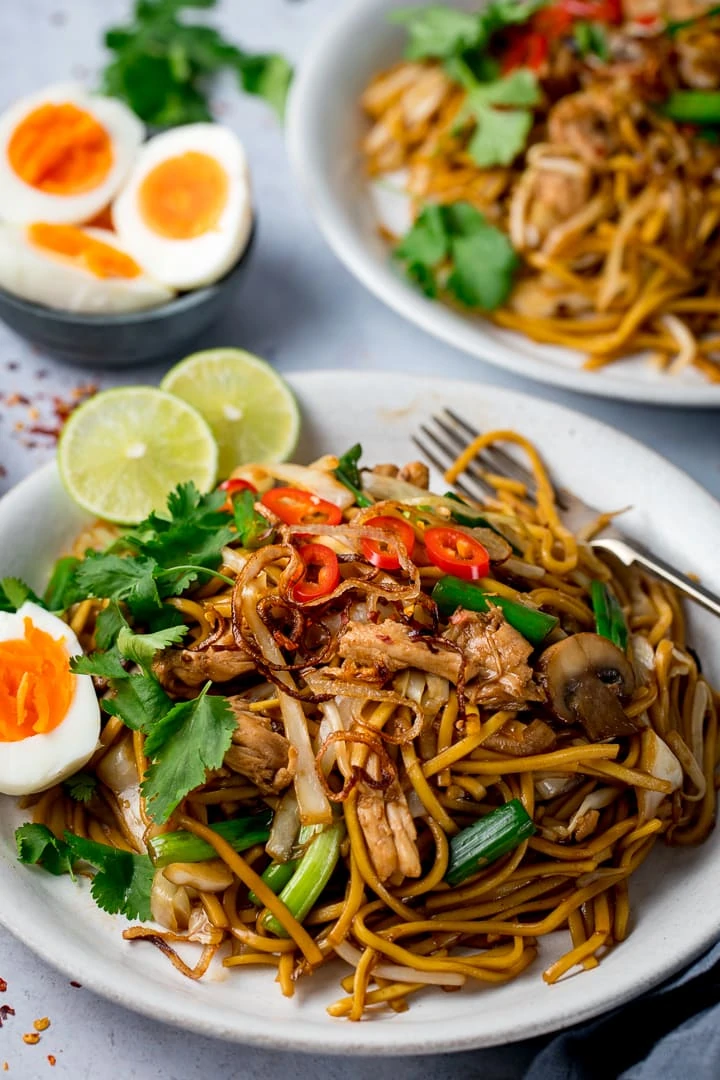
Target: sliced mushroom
586, 679
516, 738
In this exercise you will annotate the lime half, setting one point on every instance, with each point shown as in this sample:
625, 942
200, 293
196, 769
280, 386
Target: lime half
251, 410
124, 450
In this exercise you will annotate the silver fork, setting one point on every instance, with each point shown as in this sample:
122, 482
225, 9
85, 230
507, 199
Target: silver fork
441, 444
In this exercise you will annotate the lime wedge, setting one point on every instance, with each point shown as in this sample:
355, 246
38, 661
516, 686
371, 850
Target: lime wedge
124, 450
251, 410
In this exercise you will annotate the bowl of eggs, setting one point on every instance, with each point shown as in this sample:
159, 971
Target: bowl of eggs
116, 249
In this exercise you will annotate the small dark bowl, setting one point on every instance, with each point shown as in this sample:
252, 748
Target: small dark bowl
129, 338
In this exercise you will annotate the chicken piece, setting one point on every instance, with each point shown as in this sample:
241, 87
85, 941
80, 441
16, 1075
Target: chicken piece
258, 752
555, 196
698, 50
587, 123
518, 740
417, 473
181, 671
482, 649
391, 646
388, 827
497, 673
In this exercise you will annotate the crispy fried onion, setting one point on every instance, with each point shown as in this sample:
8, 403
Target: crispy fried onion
161, 939
380, 583
388, 772
330, 687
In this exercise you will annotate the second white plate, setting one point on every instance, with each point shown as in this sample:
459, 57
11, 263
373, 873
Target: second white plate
324, 131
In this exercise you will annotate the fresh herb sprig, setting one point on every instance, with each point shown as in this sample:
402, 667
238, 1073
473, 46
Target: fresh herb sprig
122, 882
454, 248
163, 66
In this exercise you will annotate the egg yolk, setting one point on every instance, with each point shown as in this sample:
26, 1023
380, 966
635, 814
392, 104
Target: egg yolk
36, 685
61, 149
184, 196
100, 259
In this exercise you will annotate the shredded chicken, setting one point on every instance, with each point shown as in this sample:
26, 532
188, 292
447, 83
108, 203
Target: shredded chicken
586, 123
258, 752
181, 671
554, 196
388, 827
497, 672
488, 653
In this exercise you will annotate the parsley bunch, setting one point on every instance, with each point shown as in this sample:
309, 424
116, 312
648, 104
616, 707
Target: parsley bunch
454, 248
163, 66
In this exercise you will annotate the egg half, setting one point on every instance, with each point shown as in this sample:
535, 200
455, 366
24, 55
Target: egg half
185, 212
64, 154
49, 718
75, 269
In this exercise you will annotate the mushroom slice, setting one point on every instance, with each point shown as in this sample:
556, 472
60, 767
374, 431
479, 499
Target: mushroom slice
586, 679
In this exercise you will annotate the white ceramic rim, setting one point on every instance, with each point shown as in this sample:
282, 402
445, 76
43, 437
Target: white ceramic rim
305, 106
194, 1007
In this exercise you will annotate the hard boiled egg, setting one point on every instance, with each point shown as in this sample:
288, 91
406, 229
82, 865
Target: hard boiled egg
185, 213
64, 154
75, 269
49, 718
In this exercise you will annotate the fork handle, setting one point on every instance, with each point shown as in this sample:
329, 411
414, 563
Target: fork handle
635, 555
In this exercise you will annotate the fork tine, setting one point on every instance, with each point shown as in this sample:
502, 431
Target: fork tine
488, 459
507, 463
473, 471
461, 485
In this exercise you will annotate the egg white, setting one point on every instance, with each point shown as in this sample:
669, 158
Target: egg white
21, 203
46, 277
188, 264
36, 763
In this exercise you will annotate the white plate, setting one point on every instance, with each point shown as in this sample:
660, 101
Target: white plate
324, 131
676, 914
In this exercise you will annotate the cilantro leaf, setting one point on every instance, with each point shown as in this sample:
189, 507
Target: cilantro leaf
500, 134
106, 665
483, 267
252, 527
193, 531
427, 242
123, 881
112, 577
438, 31
36, 844
267, 76
192, 738
14, 593
141, 648
139, 701
163, 66
61, 590
108, 625
473, 258
591, 40
348, 473
81, 787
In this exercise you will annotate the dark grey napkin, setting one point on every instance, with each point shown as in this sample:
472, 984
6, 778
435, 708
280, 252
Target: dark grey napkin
672, 1033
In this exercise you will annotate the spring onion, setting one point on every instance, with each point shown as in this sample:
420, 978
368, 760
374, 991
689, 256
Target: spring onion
279, 872
241, 833
487, 839
693, 107
348, 474
58, 593
313, 872
609, 616
451, 593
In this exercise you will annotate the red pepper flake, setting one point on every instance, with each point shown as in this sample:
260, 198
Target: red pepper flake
52, 1060
5, 1011
5, 1066
77, 985
18, 399
33, 413
3, 984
